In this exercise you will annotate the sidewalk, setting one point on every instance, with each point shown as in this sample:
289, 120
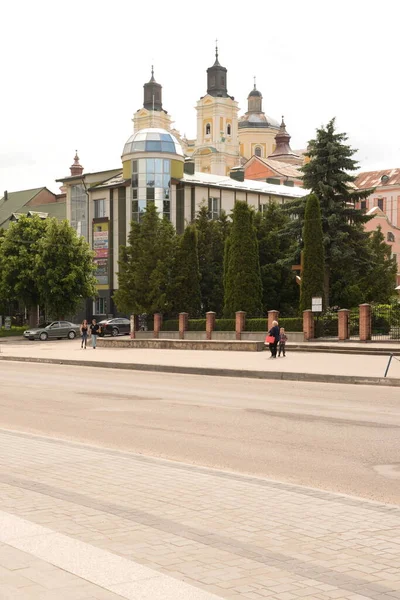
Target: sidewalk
91, 523
306, 366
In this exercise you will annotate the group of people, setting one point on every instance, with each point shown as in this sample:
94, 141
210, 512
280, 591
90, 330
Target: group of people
91, 330
277, 339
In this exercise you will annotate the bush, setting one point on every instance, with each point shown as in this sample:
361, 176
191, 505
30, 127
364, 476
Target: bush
14, 331
225, 325
289, 323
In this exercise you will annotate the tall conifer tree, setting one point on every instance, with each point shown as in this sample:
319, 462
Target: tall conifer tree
312, 276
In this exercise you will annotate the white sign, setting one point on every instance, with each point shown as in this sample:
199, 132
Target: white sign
7, 323
316, 304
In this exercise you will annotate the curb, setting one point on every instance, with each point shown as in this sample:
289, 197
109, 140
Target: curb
276, 375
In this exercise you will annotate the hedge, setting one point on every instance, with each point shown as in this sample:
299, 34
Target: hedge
14, 331
289, 323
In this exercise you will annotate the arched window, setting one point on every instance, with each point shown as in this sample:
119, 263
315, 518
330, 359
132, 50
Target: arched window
390, 237
228, 129
208, 129
258, 151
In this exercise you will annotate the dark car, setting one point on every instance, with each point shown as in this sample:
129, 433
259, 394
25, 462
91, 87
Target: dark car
53, 330
114, 327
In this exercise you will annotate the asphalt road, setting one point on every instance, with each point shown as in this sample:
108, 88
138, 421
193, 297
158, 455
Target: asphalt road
335, 437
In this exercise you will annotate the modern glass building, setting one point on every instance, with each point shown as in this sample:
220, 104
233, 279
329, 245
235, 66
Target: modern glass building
151, 157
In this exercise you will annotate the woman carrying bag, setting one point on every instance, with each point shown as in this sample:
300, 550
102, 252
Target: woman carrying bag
272, 338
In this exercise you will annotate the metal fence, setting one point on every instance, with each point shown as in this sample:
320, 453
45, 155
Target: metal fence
354, 324
326, 325
385, 322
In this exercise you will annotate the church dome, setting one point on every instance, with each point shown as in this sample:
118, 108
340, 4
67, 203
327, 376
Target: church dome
255, 93
153, 140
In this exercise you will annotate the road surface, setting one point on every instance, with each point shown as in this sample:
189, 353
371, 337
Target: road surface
334, 437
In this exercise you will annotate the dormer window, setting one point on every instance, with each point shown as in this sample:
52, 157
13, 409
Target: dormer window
208, 129
390, 237
228, 129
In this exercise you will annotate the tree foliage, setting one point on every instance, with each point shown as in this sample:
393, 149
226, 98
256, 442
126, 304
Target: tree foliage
44, 262
312, 276
63, 269
329, 175
211, 235
242, 285
186, 285
145, 265
280, 290
379, 280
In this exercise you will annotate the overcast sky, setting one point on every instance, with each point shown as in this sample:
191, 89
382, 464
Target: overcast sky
72, 74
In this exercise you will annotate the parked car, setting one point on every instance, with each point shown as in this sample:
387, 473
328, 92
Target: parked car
53, 330
114, 327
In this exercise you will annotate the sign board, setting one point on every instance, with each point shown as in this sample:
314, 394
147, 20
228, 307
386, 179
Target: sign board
7, 322
316, 304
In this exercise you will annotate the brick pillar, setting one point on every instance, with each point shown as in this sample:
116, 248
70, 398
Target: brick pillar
183, 324
365, 322
210, 324
343, 324
134, 319
308, 325
240, 323
273, 315
157, 325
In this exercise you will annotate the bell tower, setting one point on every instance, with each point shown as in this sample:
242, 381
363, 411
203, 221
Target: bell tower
217, 148
152, 114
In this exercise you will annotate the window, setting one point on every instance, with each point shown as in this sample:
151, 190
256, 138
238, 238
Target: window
79, 210
380, 203
390, 237
99, 208
258, 151
100, 306
208, 129
151, 182
363, 205
214, 208
228, 129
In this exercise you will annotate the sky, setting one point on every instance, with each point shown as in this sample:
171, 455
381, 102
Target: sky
72, 74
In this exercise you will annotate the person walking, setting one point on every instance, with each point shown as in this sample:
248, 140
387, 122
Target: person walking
94, 332
282, 342
274, 333
84, 329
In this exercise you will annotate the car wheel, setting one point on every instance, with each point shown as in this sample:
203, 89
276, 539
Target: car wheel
43, 336
71, 335
114, 332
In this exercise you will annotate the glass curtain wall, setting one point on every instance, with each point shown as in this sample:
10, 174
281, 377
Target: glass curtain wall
79, 210
151, 182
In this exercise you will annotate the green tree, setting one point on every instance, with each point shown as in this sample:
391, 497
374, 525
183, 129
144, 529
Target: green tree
242, 285
63, 269
211, 236
328, 175
186, 287
312, 276
19, 249
145, 265
380, 279
280, 290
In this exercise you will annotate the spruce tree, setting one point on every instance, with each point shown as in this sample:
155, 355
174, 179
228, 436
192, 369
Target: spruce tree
380, 278
186, 287
328, 174
242, 285
312, 276
210, 235
145, 266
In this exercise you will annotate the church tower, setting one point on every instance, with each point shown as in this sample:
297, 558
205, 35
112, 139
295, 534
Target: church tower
152, 114
283, 151
217, 148
257, 130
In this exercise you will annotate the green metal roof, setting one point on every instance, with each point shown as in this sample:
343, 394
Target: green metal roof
15, 202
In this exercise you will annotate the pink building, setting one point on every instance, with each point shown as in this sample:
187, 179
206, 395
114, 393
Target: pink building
386, 195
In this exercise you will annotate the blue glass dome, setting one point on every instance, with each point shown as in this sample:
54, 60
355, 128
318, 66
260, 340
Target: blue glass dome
153, 140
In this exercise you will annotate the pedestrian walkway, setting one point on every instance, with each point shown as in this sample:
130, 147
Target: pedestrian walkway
141, 528
352, 365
